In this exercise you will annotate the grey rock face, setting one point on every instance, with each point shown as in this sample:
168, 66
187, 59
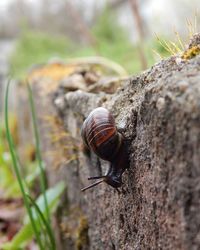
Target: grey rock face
159, 203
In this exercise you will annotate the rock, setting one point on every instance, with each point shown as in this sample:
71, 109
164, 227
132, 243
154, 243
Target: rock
108, 85
159, 203
74, 82
160, 103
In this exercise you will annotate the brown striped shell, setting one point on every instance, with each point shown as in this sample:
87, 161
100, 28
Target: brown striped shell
100, 134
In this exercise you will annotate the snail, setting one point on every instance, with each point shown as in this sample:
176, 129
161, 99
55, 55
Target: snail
101, 136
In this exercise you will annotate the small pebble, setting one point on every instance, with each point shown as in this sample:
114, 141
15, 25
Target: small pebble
160, 103
73, 83
183, 85
179, 60
60, 103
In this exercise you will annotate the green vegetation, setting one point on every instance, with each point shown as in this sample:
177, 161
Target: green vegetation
6, 174
35, 48
111, 41
38, 154
37, 221
38, 210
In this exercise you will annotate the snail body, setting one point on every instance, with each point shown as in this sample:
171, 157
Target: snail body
100, 135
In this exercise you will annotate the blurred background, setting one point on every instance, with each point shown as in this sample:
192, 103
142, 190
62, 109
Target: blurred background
125, 31
32, 31
133, 33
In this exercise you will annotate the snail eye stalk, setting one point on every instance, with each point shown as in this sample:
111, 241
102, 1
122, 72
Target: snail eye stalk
96, 177
92, 185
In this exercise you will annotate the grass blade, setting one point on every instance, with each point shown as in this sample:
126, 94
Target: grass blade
16, 168
25, 234
47, 226
38, 154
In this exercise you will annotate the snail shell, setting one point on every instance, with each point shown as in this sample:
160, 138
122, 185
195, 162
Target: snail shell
100, 134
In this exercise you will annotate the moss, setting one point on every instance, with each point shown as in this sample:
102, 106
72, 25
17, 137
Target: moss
64, 147
54, 71
192, 52
14, 129
74, 227
30, 153
82, 234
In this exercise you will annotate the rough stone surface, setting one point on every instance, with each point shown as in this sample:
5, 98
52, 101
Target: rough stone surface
159, 203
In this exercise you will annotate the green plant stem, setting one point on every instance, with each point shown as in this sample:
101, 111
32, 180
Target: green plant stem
37, 142
16, 169
48, 228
